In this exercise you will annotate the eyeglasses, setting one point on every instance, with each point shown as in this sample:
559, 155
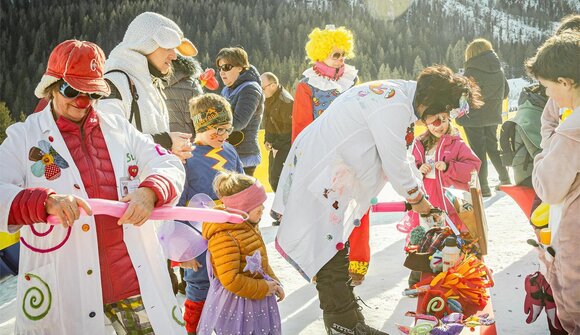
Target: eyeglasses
264, 87
225, 67
338, 55
222, 131
68, 92
438, 121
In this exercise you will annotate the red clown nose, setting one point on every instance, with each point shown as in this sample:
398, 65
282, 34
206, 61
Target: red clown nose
82, 101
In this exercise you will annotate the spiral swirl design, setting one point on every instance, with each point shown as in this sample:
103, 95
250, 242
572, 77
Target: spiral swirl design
422, 329
37, 300
435, 305
175, 318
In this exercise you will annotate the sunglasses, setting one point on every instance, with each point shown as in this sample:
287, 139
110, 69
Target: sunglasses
225, 67
68, 92
338, 55
222, 131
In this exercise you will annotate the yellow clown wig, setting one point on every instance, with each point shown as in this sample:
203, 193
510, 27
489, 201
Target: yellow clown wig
322, 42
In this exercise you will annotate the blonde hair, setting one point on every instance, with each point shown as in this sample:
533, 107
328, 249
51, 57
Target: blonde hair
322, 42
476, 47
227, 183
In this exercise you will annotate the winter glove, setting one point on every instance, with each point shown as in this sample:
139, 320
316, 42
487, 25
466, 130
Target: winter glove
533, 302
550, 305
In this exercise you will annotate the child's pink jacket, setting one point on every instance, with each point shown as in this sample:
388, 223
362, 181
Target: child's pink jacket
460, 160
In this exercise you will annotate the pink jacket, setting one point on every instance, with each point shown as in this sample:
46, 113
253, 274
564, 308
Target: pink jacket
556, 180
459, 158
460, 161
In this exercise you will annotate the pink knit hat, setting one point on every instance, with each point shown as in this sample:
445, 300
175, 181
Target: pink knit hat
248, 199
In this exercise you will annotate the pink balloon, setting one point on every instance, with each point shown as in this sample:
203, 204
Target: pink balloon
116, 209
398, 206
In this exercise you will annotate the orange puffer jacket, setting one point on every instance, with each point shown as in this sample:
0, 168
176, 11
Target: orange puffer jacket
229, 244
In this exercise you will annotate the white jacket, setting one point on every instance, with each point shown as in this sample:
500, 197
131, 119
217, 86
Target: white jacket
152, 108
337, 165
59, 285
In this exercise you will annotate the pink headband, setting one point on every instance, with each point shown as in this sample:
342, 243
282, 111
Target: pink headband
247, 199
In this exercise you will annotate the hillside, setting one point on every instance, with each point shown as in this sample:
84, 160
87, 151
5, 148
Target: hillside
394, 38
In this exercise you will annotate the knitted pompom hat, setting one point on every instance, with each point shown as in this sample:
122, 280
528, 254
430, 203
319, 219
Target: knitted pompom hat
149, 31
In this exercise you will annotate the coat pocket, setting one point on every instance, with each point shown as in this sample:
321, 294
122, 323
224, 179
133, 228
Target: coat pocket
37, 299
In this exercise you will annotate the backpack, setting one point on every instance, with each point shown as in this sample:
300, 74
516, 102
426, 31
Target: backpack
532, 98
507, 142
115, 94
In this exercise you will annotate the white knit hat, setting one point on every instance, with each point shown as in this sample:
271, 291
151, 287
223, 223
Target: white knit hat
149, 31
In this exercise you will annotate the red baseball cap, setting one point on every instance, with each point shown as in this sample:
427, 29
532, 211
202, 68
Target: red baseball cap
81, 64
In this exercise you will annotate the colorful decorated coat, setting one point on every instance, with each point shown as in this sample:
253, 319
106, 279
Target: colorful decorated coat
59, 286
316, 91
337, 165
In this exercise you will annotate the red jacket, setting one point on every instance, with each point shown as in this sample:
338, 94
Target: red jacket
91, 156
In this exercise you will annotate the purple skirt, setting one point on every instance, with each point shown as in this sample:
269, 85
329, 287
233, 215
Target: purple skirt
228, 314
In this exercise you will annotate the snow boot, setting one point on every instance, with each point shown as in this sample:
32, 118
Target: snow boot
350, 322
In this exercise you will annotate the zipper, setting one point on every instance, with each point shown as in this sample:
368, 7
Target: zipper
437, 157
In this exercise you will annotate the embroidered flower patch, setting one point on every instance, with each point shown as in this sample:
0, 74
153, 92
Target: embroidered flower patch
47, 161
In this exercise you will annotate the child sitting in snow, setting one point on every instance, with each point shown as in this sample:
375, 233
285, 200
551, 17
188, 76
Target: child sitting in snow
243, 287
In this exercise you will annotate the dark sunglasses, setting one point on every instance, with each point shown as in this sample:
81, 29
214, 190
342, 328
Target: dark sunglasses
338, 55
225, 67
68, 92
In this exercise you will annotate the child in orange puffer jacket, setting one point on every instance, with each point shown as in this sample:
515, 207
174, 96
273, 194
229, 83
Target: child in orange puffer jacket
243, 287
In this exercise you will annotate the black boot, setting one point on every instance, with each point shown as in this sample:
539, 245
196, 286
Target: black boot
362, 328
340, 323
350, 322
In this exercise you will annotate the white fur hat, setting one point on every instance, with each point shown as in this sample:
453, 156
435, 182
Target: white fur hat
149, 31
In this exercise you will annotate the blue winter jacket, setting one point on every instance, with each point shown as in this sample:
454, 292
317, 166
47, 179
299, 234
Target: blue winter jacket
247, 100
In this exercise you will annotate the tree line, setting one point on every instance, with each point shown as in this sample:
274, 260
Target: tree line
273, 32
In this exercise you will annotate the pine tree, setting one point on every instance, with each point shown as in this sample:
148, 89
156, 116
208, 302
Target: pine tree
5, 120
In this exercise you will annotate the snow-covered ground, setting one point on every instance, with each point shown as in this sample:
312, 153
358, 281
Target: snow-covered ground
509, 257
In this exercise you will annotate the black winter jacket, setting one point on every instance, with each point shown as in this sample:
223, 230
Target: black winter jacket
278, 119
486, 70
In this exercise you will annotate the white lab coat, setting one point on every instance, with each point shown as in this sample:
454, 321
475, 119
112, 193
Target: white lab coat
337, 165
60, 288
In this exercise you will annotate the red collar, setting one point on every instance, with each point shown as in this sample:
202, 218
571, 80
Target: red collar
90, 121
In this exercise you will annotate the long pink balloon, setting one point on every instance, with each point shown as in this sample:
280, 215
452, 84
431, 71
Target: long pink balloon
389, 207
117, 209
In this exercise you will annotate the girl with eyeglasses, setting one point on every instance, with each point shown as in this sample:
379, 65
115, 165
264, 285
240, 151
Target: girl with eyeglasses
244, 92
329, 76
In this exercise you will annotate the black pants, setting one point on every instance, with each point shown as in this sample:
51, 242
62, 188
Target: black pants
483, 142
332, 282
275, 165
